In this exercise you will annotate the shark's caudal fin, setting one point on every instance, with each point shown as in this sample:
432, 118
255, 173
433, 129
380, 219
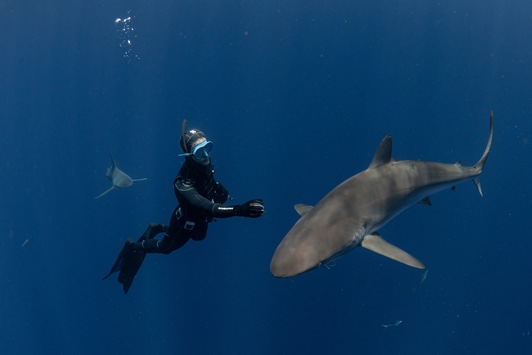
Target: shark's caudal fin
113, 161
375, 243
482, 161
480, 164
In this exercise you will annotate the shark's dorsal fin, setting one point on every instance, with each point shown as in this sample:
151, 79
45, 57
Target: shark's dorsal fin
383, 155
302, 209
375, 243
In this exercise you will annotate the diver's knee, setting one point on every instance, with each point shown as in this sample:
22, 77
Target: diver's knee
153, 226
158, 228
199, 238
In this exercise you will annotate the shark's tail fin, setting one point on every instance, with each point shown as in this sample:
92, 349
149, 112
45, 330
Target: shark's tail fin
480, 164
112, 160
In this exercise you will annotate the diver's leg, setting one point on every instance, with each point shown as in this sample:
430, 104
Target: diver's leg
175, 236
152, 230
146, 243
166, 245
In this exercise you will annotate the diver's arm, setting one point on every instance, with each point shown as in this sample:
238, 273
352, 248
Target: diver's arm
191, 194
252, 208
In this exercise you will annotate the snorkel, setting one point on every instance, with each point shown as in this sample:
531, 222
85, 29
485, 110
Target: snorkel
182, 141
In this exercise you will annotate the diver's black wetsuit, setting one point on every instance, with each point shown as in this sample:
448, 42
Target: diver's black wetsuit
200, 199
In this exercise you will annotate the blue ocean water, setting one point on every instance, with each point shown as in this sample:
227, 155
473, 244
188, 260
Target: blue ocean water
296, 96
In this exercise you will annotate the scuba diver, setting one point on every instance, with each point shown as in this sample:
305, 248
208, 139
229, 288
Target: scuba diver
200, 200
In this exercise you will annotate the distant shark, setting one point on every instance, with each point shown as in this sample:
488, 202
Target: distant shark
352, 213
117, 177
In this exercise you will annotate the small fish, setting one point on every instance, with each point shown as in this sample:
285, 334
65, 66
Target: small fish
25, 242
395, 324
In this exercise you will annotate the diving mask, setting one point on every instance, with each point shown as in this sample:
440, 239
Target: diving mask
202, 150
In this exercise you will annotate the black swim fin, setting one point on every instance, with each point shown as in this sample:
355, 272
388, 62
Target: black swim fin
128, 263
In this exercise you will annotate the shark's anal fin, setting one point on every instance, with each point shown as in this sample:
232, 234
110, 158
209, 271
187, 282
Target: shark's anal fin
302, 209
375, 243
426, 201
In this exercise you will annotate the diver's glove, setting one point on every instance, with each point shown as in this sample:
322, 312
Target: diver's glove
252, 208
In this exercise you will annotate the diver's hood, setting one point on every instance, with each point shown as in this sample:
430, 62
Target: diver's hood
188, 138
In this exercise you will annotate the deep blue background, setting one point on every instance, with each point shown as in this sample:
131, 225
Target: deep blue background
296, 96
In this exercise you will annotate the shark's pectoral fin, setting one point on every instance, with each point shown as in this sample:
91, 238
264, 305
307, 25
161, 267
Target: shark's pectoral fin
302, 209
143, 179
105, 192
375, 243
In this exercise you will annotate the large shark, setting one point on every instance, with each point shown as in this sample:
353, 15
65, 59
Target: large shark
352, 213
117, 177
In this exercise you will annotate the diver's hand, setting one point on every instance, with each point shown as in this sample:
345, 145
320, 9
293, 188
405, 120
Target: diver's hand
252, 209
